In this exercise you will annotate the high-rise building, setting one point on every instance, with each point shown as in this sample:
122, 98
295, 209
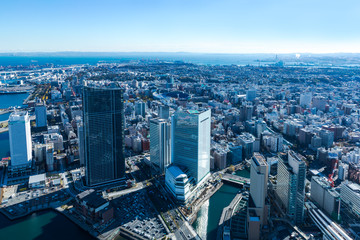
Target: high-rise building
190, 141
140, 108
20, 138
160, 154
103, 133
235, 154
164, 111
319, 102
246, 111
40, 113
259, 173
290, 187
350, 195
44, 155
326, 197
80, 131
250, 95
305, 99
247, 141
327, 138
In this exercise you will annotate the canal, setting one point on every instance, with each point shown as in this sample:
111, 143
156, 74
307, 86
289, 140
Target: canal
41, 226
209, 214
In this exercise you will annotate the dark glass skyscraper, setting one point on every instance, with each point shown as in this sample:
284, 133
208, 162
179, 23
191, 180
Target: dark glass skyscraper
104, 134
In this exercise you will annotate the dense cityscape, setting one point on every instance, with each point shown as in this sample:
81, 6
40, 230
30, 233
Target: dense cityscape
153, 149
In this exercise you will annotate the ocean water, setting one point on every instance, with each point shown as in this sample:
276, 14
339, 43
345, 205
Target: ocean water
12, 100
41, 226
4, 117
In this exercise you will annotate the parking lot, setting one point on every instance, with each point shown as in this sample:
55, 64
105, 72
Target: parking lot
165, 206
136, 214
24, 202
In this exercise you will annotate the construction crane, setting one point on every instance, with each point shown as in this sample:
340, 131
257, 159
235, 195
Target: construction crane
331, 175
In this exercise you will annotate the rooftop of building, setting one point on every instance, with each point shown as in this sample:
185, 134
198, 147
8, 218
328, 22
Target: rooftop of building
354, 187
37, 178
247, 137
158, 120
324, 183
17, 115
259, 159
296, 156
91, 198
103, 85
176, 172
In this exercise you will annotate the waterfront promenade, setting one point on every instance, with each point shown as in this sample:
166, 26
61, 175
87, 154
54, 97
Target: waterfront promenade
226, 215
4, 126
200, 201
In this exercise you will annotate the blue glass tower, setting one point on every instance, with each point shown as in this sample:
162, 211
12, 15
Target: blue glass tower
190, 131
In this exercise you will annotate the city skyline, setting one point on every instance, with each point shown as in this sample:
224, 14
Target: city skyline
180, 120
180, 26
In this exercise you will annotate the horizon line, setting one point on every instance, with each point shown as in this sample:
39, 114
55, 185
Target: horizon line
172, 52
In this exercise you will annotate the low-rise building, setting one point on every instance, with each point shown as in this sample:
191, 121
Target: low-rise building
93, 207
178, 183
37, 181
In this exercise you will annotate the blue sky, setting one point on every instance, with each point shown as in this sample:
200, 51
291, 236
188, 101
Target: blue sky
216, 26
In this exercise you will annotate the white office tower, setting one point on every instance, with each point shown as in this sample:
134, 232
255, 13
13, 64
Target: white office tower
140, 108
305, 99
40, 113
160, 155
259, 174
20, 138
350, 195
190, 143
290, 187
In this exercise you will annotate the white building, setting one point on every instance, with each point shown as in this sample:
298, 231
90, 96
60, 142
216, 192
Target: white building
37, 181
350, 195
343, 171
259, 173
178, 183
160, 154
305, 99
20, 138
326, 197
